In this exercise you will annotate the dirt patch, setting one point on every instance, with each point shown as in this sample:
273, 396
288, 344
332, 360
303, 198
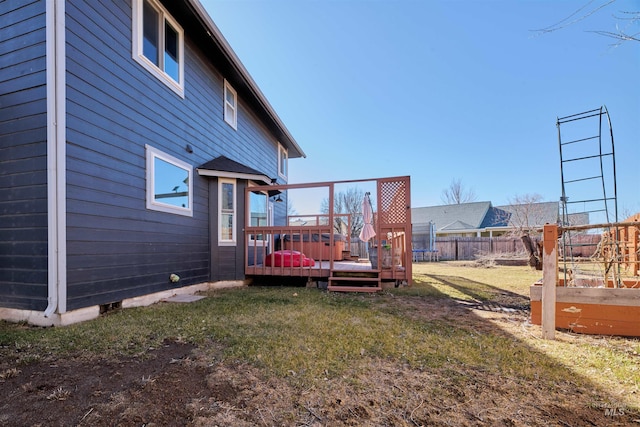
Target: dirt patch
179, 384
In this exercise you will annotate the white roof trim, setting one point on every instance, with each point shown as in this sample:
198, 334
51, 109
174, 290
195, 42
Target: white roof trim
234, 175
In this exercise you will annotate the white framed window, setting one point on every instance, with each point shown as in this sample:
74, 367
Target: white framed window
283, 160
169, 183
227, 212
230, 105
158, 43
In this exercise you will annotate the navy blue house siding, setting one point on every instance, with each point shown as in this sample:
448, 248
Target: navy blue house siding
23, 149
116, 247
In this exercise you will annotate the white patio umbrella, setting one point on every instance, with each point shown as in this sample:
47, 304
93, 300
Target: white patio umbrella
367, 231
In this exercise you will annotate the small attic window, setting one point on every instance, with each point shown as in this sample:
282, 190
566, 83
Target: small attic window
230, 105
283, 160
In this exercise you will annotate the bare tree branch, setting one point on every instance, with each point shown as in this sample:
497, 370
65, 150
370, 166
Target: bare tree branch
564, 24
620, 34
526, 213
456, 194
347, 202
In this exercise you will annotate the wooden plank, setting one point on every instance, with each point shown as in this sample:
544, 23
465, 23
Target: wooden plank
606, 296
549, 280
597, 319
603, 296
354, 288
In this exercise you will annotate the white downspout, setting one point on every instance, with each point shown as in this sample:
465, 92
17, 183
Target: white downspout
56, 158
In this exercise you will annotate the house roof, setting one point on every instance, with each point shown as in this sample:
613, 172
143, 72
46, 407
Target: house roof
481, 216
225, 167
452, 217
496, 217
210, 40
457, 225
532, 214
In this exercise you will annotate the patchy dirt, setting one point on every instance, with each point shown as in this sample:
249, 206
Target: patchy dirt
182, 385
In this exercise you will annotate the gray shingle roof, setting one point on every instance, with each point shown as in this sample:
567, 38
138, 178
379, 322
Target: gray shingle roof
533, 214
481, 215
453, 217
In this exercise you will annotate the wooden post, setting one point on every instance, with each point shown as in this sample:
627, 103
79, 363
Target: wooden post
549, 280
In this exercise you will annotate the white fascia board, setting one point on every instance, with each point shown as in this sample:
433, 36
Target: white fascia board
233, 175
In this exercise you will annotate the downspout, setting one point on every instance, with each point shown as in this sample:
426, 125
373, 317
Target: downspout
56, 158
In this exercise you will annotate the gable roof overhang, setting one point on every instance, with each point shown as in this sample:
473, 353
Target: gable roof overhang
202, 30
456, 226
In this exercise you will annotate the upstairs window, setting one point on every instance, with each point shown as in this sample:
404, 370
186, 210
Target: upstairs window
230, 105
158, 43
283, 159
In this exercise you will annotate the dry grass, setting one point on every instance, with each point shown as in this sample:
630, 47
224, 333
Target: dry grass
612, 363
459, 338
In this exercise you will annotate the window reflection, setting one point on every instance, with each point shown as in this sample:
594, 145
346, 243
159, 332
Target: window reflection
258, 212
171, 184
258, 204
227, 212
150, 31
171, 51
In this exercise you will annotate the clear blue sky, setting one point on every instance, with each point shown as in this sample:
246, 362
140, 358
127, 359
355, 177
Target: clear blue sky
440, 90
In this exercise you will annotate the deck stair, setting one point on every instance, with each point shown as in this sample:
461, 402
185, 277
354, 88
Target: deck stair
355, 281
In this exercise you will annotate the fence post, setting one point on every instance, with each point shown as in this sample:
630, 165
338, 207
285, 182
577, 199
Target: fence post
456, 243
549, 280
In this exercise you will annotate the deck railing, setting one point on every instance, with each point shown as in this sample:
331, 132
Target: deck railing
322, 240
262, 243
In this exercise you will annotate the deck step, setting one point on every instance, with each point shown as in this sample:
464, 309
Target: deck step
371, 279
354, 283
370, 275
353, 288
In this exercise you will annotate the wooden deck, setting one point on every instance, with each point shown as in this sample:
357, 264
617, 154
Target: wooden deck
320, 241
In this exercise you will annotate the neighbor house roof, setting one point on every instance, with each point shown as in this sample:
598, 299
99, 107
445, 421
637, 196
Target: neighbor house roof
532, 214
463, 216
477, 216
213, 44
496, 217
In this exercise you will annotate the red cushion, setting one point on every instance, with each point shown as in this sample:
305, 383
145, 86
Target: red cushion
287, 258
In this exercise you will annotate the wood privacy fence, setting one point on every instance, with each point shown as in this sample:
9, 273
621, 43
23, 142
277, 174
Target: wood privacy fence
470, 248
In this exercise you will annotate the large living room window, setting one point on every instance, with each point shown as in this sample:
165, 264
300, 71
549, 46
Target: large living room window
169, 183
158, 43
226, 212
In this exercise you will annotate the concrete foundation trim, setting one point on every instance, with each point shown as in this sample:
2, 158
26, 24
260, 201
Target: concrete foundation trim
37, 318
145, 300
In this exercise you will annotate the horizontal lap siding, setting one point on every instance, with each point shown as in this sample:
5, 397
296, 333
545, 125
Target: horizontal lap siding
23, 162
116, 247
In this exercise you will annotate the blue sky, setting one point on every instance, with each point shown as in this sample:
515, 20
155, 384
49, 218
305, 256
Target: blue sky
440, 90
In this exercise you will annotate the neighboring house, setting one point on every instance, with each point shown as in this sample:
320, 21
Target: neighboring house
460, 220
129, 130
481, 219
